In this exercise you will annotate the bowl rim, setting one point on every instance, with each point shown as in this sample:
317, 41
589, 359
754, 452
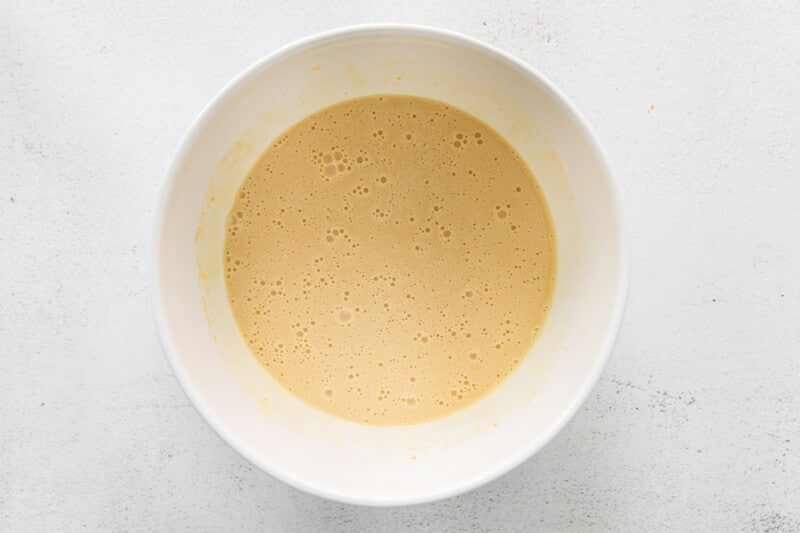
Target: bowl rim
157, 293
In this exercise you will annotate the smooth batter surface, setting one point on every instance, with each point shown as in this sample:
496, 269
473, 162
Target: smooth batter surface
390, 259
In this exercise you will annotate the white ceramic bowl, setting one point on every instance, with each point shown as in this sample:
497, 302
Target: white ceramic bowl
314, 451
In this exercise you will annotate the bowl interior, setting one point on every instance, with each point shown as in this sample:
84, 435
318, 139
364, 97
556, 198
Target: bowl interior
299, 444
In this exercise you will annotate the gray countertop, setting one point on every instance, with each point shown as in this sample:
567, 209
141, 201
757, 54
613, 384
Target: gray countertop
694, 425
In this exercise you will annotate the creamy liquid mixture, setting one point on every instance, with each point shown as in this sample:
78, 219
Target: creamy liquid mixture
390, 259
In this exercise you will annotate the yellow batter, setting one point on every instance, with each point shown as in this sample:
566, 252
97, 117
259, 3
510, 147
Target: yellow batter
390, 259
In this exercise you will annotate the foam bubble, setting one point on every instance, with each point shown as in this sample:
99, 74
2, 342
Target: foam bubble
344, 316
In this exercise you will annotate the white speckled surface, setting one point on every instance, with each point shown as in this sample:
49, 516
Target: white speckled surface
695, 424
